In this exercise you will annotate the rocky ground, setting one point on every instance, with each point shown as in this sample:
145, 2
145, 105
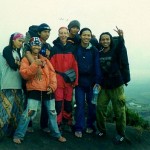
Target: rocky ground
42, 141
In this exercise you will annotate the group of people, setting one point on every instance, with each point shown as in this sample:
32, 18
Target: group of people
38, 77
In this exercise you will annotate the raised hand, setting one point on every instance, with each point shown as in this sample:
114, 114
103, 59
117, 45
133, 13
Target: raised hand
119, 31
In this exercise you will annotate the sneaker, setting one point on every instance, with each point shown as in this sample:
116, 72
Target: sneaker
78, 134
118, 139
101, 134
89, 130
46, 130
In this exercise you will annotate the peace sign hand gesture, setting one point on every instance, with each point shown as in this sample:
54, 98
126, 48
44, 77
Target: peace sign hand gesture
119, 31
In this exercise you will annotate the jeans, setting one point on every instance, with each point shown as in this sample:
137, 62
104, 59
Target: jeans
44, 116
30, 113
82, 94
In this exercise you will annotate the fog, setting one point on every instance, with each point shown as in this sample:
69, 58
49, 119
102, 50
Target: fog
130, 15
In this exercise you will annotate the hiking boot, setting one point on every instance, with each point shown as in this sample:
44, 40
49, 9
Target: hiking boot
118, 139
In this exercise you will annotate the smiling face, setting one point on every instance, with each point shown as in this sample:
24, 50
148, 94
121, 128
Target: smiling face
17, 43
35, 49
86, 37
105, 41
63, 35
35, 44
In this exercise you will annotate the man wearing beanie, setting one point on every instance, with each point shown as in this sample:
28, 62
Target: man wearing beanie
43, 33
43, 27
74, 28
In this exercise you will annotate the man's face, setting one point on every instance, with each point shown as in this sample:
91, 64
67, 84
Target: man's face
105, 40
44, 35
63, 35
74, 31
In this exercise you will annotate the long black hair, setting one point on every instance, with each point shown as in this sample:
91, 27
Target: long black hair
11, 40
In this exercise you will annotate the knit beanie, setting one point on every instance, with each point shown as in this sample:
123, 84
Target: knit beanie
74, 23
43, 27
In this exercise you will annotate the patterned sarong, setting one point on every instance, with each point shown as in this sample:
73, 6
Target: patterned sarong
11, 108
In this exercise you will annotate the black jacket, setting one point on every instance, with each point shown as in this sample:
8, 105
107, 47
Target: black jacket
7, 54
115, 66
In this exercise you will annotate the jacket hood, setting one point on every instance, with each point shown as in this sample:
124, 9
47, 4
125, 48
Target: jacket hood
89, 46
57, 42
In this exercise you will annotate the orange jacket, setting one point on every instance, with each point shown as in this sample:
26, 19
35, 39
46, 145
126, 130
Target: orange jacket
29, 73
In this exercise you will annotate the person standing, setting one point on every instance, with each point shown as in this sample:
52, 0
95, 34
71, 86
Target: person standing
115, 70
89, 76
62, 59
11, 96
38, 91
43, 33
74, 38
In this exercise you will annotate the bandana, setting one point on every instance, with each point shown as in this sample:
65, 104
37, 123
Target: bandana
35, 41
18, 36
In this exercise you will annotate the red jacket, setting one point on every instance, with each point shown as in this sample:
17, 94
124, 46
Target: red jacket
29, 72
62, 59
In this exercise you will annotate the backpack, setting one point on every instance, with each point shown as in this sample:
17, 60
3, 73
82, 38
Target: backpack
32, 32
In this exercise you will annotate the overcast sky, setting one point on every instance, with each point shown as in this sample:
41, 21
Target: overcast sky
133, 16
